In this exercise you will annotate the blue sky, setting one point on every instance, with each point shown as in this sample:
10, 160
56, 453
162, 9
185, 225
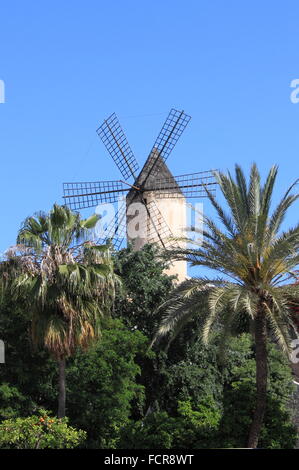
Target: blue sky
68, 65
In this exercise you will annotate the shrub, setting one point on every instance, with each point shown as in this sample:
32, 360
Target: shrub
39, 432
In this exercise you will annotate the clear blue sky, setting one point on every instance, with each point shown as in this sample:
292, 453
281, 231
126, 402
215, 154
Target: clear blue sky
68, 64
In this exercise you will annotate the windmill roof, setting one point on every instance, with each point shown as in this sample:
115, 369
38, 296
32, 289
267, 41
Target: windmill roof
163, 173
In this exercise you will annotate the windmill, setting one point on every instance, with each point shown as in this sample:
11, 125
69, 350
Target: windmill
155, 204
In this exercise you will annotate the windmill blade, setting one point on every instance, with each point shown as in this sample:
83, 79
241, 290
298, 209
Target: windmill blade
116, 230
158, 229
115, 141
146, 224
190, 186
170, 133
83, 195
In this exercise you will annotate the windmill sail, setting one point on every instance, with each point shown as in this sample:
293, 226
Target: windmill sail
89, 194
192, 185
116, 230
158, 229
115, 141
170, 133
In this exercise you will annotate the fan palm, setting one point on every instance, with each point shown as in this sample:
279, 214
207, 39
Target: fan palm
66, 281
254, 261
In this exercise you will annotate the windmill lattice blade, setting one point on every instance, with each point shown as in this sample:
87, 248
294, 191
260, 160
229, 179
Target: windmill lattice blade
190, 186
115, 141
116, 230
83, 195
158, 228
170, 133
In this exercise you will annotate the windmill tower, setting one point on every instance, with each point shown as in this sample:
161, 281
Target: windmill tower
167, 217
155, 204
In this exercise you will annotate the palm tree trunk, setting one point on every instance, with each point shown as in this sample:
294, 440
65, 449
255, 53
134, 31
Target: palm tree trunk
261, 378
61, 388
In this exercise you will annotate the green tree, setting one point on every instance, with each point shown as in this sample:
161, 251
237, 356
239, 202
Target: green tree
146, 286
190, 429
238, 399
101, 404
29, 375
199, 411
255, 261
101, 381
66, 282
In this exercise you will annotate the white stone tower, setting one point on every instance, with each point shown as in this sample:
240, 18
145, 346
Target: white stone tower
161, 217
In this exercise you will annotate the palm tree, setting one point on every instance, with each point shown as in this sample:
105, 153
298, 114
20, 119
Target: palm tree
66, 281
254, 261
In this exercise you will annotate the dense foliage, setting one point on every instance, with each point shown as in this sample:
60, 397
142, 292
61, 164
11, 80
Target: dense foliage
196, 412
101, 381
146, 286
66, 281
182, 395
102, 384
